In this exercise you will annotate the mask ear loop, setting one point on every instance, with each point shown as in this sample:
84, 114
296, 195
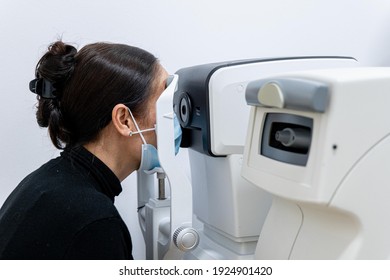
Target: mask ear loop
138, 130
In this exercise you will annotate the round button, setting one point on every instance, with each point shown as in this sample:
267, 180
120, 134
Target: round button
189, 240
186, 238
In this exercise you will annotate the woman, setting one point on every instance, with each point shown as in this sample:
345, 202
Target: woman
99, 107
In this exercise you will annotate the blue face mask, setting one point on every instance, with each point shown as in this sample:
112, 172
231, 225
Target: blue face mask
149, 156
178, 133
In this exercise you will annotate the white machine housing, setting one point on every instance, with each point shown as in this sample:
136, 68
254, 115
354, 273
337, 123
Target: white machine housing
228, 211
332, 201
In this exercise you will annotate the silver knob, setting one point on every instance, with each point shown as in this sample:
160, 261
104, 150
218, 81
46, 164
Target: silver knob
186, 238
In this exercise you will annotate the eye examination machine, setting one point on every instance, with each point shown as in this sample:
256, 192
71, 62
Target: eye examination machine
216, 213
319, 143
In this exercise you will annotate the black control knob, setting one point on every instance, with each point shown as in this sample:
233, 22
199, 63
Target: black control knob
298, 138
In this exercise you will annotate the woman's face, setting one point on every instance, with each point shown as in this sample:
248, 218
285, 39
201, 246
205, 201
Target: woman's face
150, 120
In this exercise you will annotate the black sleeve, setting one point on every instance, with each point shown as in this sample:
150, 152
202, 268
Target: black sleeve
106, 239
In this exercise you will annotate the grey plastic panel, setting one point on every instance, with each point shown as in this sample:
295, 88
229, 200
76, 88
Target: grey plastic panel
299, 94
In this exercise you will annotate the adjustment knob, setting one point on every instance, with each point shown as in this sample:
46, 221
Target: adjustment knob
294, 137
186, 238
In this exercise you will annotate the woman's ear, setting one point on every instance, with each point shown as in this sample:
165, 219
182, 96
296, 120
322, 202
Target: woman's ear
122, 120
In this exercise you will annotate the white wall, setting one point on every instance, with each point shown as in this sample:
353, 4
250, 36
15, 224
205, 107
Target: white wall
181, 33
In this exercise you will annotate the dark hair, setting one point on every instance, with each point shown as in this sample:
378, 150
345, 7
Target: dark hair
88, 84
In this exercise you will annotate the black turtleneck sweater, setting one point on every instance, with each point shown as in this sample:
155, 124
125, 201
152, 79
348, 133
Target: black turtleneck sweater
65, 210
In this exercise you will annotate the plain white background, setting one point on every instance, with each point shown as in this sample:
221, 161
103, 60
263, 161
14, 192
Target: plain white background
180, 33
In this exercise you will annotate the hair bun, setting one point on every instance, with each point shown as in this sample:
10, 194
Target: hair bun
57, 65
68, 56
